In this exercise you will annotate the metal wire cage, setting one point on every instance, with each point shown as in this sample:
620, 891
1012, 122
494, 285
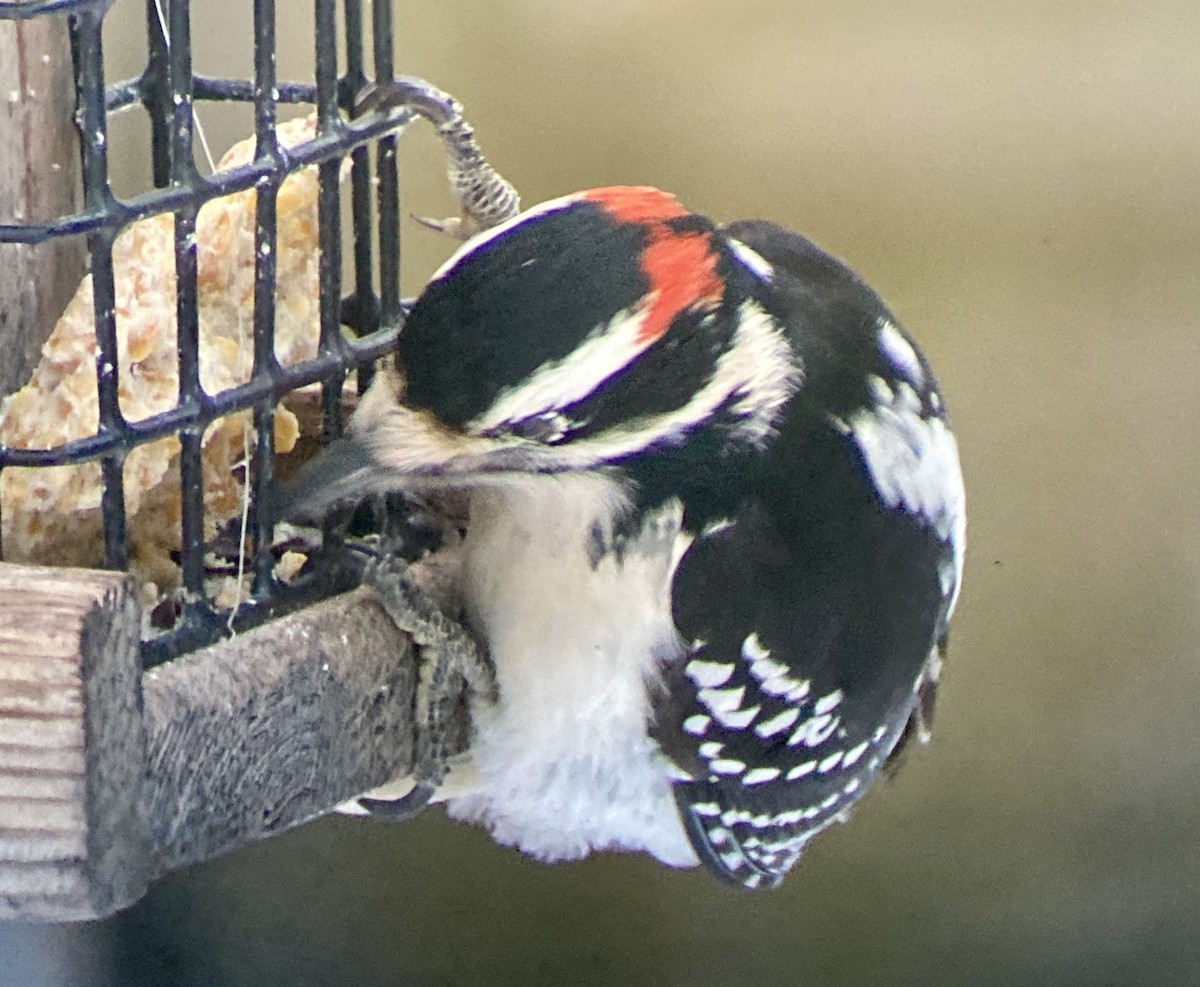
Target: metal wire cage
167, 90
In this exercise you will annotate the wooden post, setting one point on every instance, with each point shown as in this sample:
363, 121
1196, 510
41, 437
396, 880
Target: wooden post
109, 779
39, 182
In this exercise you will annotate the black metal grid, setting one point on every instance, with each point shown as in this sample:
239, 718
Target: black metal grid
167, 89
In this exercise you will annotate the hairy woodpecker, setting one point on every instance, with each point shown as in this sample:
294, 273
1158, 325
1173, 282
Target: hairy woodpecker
716, 526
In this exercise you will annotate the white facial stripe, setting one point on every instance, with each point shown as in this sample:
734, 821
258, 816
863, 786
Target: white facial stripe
759, 364
559, 383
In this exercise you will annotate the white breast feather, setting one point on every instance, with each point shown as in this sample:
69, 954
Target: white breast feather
564, 762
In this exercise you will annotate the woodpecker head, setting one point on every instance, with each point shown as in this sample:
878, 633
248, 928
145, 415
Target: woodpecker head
585, 332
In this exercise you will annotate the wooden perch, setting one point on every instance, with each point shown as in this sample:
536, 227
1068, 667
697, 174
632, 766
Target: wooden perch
110, 778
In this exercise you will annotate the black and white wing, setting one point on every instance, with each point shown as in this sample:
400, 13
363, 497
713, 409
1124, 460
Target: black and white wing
814, 605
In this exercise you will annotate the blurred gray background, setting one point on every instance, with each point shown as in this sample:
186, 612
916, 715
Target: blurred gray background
1020, 180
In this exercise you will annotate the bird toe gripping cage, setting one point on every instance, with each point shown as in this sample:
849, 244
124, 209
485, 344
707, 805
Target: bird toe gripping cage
347, 126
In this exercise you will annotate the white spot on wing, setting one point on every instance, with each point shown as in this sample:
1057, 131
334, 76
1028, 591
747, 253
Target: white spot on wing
753, 649
800, 770
716, 527
734, 859
707, 674
718, 836
826, 703
739, 719
790, 689
696, 725
829, 763
777, 724
728, 766
813, 731
758, 776
722, 700
775, 677
854, 753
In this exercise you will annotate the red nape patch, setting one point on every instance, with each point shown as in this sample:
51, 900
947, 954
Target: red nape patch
681, 267
636, 203
683, 274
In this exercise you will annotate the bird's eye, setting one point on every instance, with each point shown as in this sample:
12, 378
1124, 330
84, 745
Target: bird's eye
549, 427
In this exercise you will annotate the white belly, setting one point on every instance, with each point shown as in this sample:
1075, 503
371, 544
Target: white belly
564, 762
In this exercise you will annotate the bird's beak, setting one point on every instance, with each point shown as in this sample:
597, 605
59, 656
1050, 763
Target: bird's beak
345, 471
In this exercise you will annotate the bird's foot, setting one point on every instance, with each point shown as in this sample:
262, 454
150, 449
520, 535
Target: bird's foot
484, 196
450, 659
